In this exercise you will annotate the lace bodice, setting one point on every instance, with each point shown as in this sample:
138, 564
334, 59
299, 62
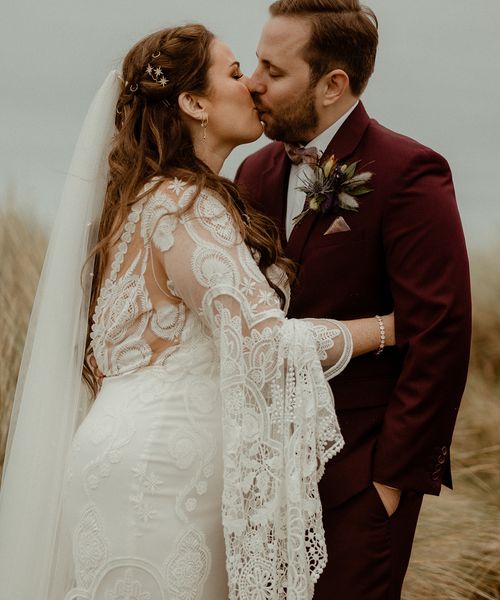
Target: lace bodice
138, 321
178, 277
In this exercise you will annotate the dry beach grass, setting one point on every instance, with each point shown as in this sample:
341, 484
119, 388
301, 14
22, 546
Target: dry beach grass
457, 549
22, 249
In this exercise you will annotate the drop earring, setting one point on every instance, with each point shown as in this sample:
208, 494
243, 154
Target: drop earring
204, 125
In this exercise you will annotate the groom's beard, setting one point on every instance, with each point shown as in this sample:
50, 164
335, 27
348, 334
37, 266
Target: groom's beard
291, 123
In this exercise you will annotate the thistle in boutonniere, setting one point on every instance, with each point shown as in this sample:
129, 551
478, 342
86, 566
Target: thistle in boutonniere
333, 186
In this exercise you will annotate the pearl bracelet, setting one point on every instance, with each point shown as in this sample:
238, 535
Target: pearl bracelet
381, 327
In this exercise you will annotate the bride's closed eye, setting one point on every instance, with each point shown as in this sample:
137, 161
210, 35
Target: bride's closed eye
238, 75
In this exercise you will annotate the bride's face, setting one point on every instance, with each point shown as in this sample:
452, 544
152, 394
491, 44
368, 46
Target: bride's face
232, 116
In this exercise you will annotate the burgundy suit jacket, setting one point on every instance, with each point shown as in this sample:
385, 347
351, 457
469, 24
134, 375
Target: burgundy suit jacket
405, 251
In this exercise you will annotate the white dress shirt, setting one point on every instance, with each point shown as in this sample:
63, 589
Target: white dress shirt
295, 199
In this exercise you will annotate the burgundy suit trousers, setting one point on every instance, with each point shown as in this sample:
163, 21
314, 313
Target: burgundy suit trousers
368, 551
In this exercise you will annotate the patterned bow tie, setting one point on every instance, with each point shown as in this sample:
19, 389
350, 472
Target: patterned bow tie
300, 154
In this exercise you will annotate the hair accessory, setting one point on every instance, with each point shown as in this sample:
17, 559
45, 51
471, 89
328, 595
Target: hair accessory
134, 87
157, 75
156, 54
381, 327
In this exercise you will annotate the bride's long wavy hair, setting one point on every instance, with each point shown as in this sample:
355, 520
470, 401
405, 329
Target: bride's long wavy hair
152, 140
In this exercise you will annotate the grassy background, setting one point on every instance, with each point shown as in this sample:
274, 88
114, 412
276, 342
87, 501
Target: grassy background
456, 554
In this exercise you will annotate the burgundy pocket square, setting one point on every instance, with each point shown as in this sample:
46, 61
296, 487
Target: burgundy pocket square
338, 224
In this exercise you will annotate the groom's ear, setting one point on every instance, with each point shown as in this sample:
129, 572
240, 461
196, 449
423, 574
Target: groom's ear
192, 105
333, 86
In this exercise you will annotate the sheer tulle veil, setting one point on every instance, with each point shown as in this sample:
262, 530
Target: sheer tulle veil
35, 559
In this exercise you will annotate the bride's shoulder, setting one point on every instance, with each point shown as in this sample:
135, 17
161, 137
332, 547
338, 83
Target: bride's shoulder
187, 198
171, 193
174, 193
174, 200
159, 206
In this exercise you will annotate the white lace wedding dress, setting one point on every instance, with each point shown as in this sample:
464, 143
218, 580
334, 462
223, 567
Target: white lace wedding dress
212, 426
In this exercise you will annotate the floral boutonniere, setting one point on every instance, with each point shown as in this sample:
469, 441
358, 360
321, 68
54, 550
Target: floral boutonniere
333, 186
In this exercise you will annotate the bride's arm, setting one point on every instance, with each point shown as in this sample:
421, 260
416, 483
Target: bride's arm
367, 334
205, 238
339, 341
208, 262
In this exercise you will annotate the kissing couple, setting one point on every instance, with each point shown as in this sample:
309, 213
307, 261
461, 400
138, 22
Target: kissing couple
238, 389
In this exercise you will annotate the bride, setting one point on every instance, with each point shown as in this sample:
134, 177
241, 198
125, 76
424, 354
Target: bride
194, 472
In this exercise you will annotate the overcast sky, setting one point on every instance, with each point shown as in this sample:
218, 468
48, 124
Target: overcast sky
437, 79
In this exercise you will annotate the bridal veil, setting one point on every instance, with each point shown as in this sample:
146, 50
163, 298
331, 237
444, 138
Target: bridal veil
35, 559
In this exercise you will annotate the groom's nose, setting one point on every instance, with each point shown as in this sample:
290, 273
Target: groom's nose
255, 84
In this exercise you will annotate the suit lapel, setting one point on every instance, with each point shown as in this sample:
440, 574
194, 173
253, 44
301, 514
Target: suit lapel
299, 235
275, 178
343, 144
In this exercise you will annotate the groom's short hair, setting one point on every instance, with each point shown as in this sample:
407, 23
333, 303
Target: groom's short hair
344, 36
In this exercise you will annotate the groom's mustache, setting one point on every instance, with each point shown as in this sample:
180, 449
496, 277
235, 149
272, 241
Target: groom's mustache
256, 100
260, 107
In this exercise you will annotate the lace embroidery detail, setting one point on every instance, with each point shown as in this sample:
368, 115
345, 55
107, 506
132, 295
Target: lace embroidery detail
143, 509
346, 355
89, 547
268, 297
149, 480
255, 580
131, 355
125, 310
158, 222
129, 229
126, 578
324, 339
149, 484
215, 219
177, 186
187, 569
122, 427
249, 265
128, 589
211, 265
248, 286
168, 321
191, 449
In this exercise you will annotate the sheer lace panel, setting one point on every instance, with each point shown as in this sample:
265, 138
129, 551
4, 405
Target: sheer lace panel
138, 321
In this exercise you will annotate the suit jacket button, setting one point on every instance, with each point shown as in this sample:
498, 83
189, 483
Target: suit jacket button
435, 476
441, 460
444, 450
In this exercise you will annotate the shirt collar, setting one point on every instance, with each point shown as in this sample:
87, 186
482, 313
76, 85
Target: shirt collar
323, 139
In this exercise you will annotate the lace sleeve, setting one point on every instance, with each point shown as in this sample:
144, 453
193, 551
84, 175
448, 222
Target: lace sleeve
279, 422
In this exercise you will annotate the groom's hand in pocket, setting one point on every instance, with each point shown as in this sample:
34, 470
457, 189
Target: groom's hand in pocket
390, 497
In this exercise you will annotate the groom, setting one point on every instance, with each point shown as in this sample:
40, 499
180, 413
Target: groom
403, 249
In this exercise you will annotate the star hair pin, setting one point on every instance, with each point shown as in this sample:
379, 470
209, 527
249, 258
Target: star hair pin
156, 73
